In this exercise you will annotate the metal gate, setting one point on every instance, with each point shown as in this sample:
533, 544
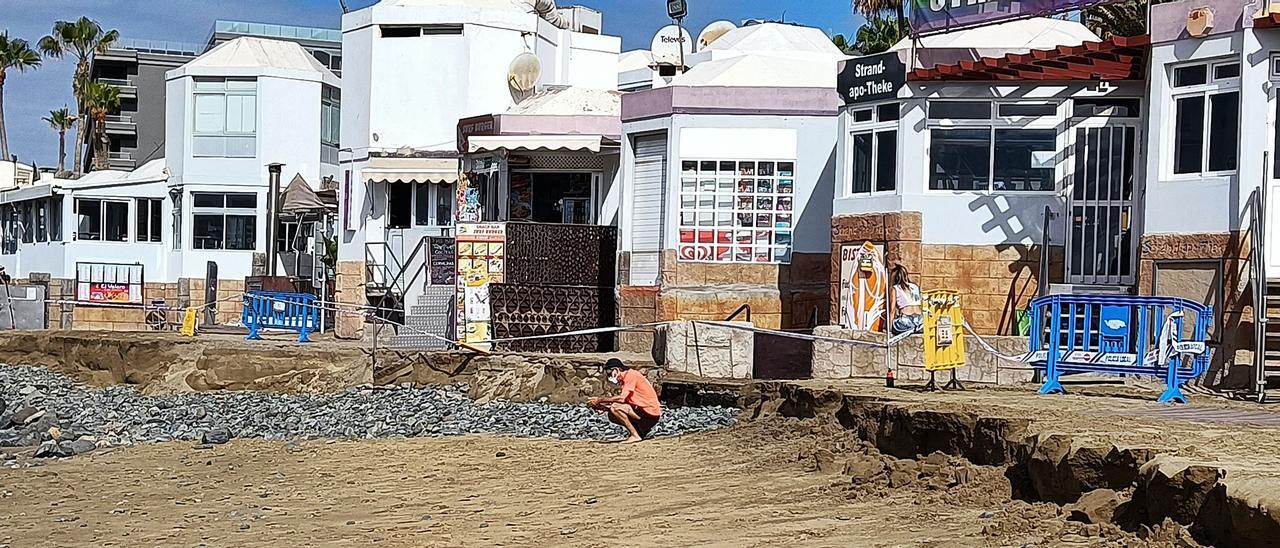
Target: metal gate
1101, 233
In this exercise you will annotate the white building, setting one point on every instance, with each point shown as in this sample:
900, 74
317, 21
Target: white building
243, 105
728, 174
414, 68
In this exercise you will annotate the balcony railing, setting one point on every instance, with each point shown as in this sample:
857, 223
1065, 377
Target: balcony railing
160, 46
120, 155
119, 118
118, 82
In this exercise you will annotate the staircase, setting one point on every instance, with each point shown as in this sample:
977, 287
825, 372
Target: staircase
432, 313
1269, 373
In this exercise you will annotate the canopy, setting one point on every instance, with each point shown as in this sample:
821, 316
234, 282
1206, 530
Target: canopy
298, 197
412, 170
489, 143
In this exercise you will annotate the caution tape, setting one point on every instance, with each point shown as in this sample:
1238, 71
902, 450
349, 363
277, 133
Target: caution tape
1021, 360
730, 325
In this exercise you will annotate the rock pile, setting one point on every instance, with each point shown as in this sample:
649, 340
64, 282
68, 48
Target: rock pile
61, 417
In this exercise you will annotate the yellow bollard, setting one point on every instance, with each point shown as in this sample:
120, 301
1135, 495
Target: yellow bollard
943, 335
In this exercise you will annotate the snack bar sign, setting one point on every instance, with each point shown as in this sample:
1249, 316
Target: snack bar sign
930, 16
871, 78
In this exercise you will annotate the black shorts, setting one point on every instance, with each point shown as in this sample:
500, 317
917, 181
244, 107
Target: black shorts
645, 424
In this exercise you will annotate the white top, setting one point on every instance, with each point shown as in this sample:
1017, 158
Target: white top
907, 296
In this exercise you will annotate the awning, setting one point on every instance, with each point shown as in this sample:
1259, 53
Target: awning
531, 143
298, 197
33, 192
412, 170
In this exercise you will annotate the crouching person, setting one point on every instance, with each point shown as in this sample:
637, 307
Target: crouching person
635, 408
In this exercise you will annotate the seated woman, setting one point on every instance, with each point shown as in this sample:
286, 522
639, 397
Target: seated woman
908, 314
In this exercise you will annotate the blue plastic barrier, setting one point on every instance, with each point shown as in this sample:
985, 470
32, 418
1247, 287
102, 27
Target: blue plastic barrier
1120, 335
288, 311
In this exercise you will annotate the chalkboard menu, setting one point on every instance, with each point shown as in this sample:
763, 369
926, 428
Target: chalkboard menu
444, 261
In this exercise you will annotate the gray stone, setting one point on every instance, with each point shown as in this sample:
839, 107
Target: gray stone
82, 446
216, 436
26, 415
52, 449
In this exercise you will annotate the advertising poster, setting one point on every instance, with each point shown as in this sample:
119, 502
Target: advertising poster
109, 283
931, 16
863, 287
108, 293
481, 261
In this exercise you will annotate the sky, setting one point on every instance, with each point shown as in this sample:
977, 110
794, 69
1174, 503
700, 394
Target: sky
31, 95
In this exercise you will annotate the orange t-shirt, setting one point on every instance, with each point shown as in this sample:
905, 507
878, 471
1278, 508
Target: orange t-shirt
638, 393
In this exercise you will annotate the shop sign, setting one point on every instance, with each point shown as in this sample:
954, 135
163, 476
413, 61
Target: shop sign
871, 78
932, 16
481, 261
479, 125
109, 283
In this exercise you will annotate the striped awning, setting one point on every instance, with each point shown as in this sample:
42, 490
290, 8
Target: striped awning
411, 170
534, 143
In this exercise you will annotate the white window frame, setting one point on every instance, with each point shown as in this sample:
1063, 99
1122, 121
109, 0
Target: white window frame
202, 87
874, 127
330, 119
102, 219
434, 190
1207, 90
225, 212
734, 211
1054, 122
139, 214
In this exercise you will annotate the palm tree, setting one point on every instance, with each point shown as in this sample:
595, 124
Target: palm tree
61, 120
874, 9
843, 44
100, 100
877, 35
81, 38
1124, 19
15, 54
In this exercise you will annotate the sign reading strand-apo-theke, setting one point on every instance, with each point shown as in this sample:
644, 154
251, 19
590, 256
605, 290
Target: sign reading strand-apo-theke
871, 78
929, 16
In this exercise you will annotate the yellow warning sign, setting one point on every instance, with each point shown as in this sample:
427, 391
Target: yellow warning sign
943, 331
189, 322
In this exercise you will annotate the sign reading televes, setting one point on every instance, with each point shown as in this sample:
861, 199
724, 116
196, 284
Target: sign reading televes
871, 78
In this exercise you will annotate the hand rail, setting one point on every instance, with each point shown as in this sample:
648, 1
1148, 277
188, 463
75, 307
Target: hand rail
746, 307
1257, 247
1042, 288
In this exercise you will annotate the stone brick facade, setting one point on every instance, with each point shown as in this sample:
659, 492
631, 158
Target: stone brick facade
350, 290
64, 314
994, 281
780, 295
1229, 252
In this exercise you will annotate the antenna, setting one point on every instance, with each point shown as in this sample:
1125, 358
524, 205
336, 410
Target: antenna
343, 3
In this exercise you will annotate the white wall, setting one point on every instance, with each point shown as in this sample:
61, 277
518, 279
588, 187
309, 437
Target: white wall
1221, 200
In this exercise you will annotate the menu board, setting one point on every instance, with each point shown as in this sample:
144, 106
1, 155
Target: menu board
481, 261
736, 211
444, 261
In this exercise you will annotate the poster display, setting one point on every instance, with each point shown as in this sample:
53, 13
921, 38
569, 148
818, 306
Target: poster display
109, 283
736, 211
932, 16
864, 286
481, 261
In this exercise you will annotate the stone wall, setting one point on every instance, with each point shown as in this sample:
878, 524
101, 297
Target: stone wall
705, 350
350, 290
994, 281
832, 360
1224, 284
65, 314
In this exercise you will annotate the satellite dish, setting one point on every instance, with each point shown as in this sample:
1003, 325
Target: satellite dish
713, 32
524, 72
669, 42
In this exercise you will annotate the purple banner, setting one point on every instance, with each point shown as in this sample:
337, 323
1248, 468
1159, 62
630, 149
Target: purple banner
932, 16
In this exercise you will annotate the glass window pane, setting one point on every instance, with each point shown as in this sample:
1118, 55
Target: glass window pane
242, 85
1188, 135
242, 201
959, 159
117, 221
242, 232
960, 110
1024, 159
861, 168
1225, 71
89, 214
886, 161
154, 210
863, 115
207, 232
1224, 131
210, 114
444, 205
1028, 109
888, 112
422, 204
142, 219
1193, 75
207, 200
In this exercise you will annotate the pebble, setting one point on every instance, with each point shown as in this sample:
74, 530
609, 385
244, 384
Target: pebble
119, 415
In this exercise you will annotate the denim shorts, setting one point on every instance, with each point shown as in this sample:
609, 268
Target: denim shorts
907, 324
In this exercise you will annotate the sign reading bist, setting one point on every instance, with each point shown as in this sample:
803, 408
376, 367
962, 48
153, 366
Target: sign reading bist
871, 78
930, 16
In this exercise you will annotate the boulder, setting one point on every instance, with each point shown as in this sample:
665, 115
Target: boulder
1095, 507
862, 467
25, 415
215, 436
82, 446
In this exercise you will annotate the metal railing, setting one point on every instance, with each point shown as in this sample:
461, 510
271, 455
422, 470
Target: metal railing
120, 155
1046, 242
118, 82
160, 46
119, 118
1258, 262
